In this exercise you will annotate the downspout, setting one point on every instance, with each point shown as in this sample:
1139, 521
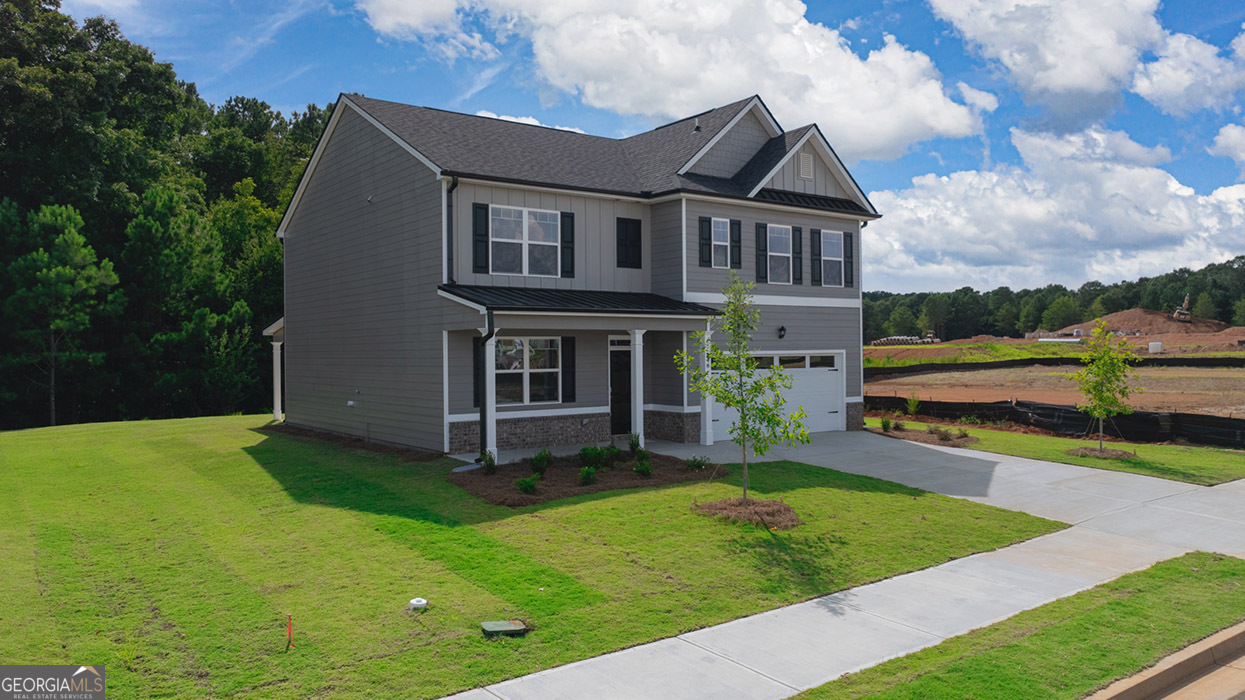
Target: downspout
480, 371
449, 230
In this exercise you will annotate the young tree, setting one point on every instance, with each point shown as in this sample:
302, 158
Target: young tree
734, 381
1103, 380
1205, 307
59, 289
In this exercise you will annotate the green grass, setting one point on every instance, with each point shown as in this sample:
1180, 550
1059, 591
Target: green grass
1071, 647
1195, 465
173, 550
993, 352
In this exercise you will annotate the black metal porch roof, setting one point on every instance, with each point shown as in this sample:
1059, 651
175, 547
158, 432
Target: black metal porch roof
574, 301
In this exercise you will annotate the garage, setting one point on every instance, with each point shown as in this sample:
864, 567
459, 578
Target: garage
816, 384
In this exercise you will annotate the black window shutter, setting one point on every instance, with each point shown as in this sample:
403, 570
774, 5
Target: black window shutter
477, 369
628, 251
848, 251
737, 245
762, 253
814, 254
479, 238
568, 244
706, 242
797, 255
568, 369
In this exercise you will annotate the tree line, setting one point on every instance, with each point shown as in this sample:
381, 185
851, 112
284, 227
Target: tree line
1216, 291
138, 261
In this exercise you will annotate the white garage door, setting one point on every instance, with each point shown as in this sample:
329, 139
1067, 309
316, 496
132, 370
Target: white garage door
819, 390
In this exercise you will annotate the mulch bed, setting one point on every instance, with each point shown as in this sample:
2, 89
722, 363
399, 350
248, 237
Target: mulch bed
772, 515
925, 437
561, 480
1104, 453
408, 454
1006, 426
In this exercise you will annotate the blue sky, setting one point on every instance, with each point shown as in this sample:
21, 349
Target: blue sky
1016, 142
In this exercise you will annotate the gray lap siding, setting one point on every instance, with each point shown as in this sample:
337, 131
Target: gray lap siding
362, 262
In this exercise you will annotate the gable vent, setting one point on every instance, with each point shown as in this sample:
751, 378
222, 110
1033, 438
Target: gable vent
806, 166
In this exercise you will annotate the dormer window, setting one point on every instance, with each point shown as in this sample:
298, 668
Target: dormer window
524, 242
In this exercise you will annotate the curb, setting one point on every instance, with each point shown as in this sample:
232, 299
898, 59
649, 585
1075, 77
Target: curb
1181, 666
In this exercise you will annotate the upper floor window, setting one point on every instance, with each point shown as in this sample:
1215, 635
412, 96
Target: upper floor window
831, 259
529, 370
524, 242
721, 243
779, 248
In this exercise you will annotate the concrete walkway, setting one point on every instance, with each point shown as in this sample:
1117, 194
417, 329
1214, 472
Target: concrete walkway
1121, 523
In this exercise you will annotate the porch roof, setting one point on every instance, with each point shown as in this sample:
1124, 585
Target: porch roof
574, 301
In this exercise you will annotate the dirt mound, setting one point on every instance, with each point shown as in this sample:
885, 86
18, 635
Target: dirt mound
1150, 322
774, 515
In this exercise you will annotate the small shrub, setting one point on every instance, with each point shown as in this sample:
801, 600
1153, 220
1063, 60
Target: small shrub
961, 433
587, 475
642, 455
488, 462
541, 462
643, 468
886, 425
942, 434
912, 405
898, 426
592, 456
611, 455
697, 463
633, 441
898, 414
970, 420
527, 484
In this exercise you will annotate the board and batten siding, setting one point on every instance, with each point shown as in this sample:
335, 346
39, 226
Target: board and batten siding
667, 273
362, 263
663, 383
823, 183
596, 263
708, 279
734, 149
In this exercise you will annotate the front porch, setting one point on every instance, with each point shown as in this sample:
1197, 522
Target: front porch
562, 367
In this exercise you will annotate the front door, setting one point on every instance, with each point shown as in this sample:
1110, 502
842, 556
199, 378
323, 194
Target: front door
620, 392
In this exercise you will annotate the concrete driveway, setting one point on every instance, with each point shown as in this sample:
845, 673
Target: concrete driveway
1120, 523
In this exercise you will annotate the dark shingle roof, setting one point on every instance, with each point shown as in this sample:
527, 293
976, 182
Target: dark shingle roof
574, 300
642, 165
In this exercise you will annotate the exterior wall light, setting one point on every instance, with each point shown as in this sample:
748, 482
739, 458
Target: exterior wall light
782, 332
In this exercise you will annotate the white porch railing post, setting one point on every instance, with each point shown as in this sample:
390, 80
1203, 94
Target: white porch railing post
276, 381
706, 403
637, 384
490, 397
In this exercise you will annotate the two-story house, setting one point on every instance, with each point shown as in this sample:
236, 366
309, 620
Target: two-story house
454, 280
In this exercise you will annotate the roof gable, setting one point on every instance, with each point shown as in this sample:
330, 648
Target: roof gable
815, 142
735, 143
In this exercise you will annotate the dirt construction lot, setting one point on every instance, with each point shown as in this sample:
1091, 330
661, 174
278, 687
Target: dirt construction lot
1216, 391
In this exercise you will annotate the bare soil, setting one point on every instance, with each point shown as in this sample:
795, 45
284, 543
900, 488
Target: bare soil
926, 437
1104, 453
561, 480
408, 454
1216, 391
1151, 323
772, 515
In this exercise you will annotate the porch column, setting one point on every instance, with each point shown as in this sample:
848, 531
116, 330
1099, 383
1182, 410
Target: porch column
706, 405
276, 380
637, 384
488, 407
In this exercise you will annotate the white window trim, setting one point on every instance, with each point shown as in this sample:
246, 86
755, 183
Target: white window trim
714, 244
769, 252
824, 258
524, 242
527, 371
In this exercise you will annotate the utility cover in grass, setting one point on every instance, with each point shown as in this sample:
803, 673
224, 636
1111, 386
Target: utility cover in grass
771, 515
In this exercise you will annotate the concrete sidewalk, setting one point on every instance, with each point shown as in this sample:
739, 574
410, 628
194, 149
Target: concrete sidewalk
1121, 523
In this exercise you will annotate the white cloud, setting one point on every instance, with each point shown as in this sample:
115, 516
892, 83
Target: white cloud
665, 59
1087, 205
1190, 75
978, 99
525, 120
1230, 143
1071, 55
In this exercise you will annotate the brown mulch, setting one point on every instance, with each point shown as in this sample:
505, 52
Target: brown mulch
561, 480
1104, 453
772, 515
913, 435
409, 454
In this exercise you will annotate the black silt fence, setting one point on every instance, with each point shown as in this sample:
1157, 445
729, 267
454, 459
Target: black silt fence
1139, 426
877, 372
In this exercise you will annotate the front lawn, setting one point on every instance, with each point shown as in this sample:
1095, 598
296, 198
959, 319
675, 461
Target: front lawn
173, 550
1195, 465
1071, 647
